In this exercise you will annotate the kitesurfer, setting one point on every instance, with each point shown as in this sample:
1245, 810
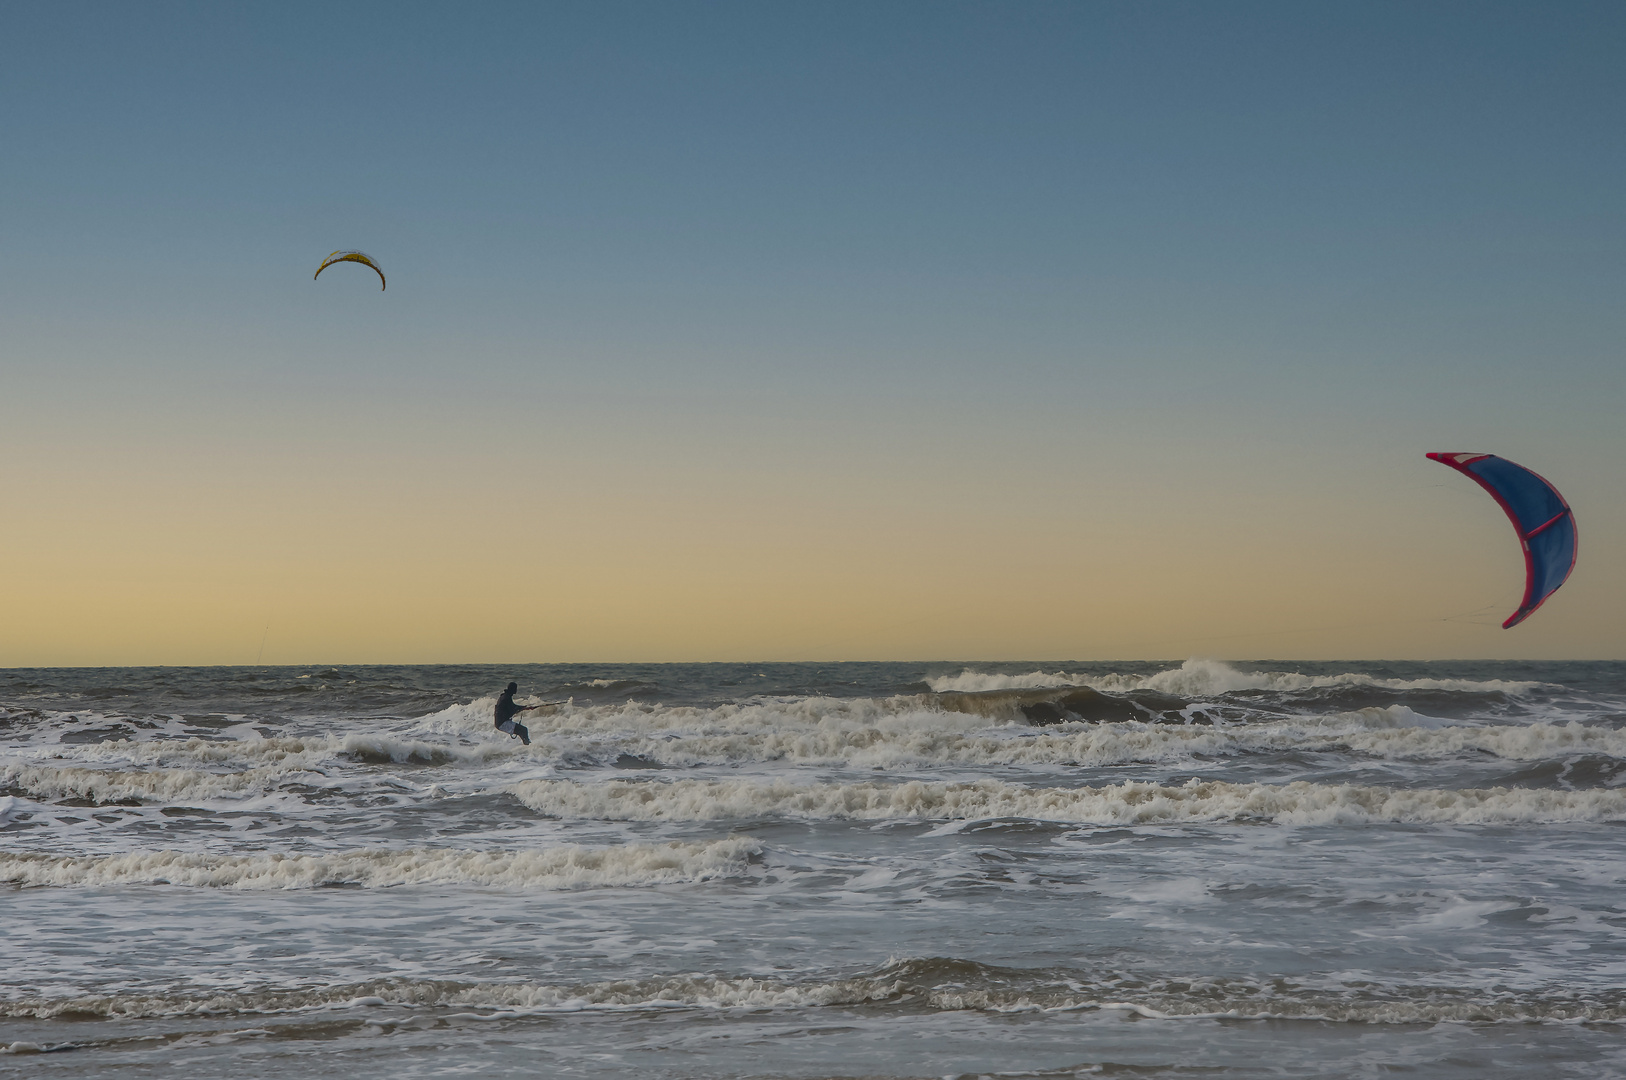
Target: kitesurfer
506, 711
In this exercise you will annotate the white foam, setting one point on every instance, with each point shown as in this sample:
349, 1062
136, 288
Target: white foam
1133, 803
972, 682
568, 866
473, 718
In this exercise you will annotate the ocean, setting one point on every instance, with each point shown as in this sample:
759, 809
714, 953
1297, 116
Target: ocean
1156, 869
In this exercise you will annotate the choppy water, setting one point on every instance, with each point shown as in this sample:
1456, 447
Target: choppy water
816, 871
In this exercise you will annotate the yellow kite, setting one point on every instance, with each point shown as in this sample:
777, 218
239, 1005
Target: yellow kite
355, 257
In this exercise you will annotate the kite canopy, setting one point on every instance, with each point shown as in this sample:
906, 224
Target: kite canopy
355, 257
1544, 521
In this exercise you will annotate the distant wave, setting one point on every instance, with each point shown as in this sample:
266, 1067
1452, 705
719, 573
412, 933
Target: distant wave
568, 866
1207, 678
1132, 803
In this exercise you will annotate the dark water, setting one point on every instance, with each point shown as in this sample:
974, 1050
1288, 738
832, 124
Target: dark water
801, 870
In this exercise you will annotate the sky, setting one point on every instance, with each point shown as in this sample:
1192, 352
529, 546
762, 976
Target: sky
772, 331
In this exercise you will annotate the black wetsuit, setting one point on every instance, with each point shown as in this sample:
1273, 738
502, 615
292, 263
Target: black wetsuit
506, 711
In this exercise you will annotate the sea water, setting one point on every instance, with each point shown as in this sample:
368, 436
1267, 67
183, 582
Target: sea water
815, 870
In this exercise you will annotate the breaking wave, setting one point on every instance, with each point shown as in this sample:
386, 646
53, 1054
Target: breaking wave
1390, 733
936, 984
155, 785
860, 736
567, 866
1131, 803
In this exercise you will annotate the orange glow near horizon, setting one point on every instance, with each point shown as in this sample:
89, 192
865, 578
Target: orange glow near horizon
385, 553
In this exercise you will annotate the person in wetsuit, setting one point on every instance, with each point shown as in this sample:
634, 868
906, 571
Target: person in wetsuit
506, 711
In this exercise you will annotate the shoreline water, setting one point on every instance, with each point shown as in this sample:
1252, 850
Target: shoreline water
812, 870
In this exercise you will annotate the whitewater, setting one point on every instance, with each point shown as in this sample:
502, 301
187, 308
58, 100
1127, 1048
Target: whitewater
816, 870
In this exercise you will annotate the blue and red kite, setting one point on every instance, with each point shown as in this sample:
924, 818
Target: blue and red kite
1544, 521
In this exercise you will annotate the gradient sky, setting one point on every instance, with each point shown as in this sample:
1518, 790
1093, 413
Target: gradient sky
804, 331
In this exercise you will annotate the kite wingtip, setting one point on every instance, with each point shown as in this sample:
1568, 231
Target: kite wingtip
1454, 458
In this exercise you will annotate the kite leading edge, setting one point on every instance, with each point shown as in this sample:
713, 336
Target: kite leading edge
1543, 520
355, 257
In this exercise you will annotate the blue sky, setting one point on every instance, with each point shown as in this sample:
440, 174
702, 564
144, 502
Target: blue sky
1208, 268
